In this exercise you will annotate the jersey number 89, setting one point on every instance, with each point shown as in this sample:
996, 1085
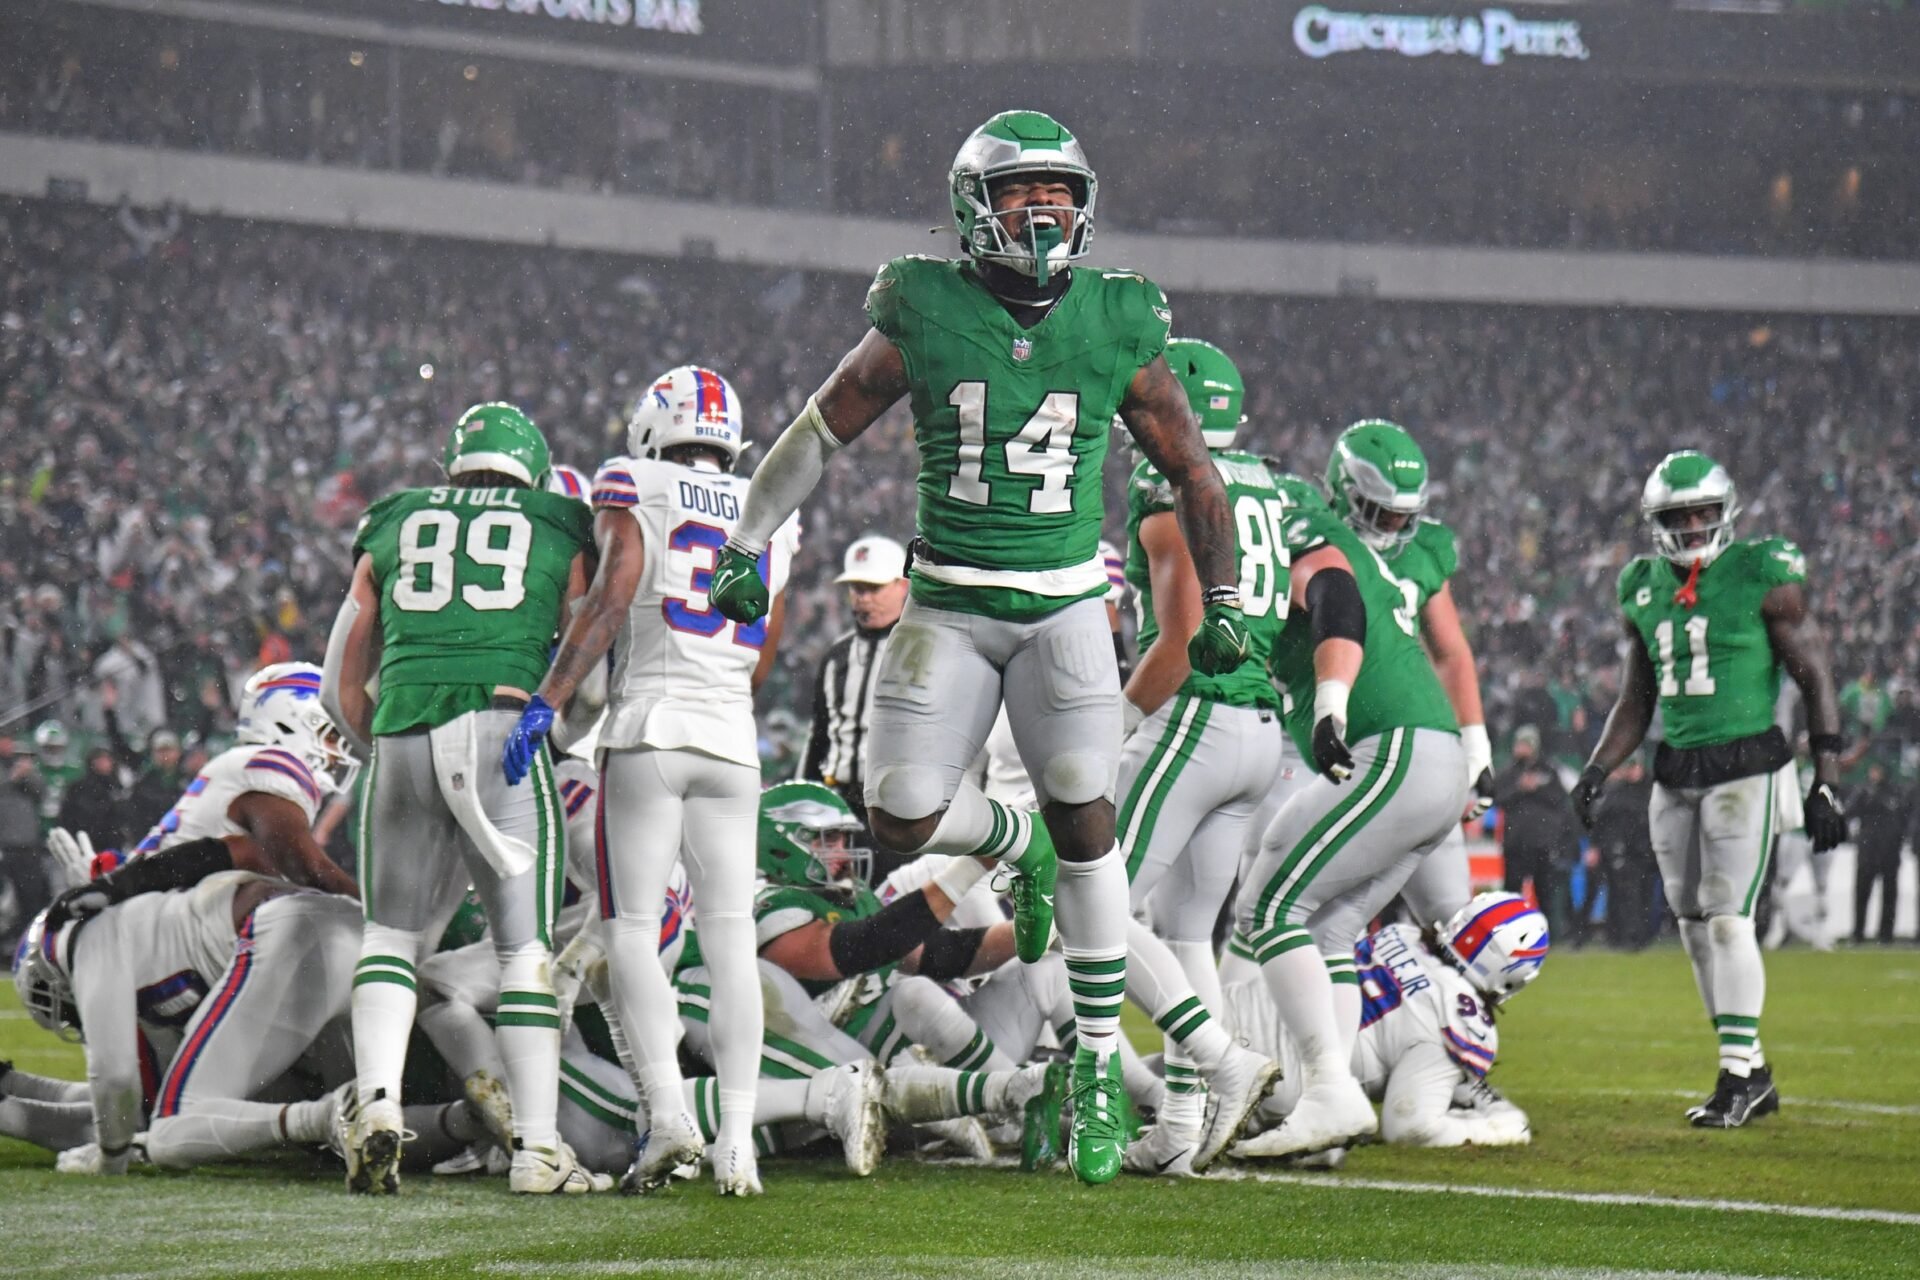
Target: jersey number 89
427, 541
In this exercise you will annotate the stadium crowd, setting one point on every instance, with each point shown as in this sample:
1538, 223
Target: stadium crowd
193, 413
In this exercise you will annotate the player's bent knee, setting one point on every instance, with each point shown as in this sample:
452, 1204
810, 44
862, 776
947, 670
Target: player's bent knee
1079, 777
1729, 930
167, 1147
907, 793
903, 835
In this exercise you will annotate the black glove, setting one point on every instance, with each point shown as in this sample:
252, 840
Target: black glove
1586, 793
1330, 754
78, 903
1482, 798
1826, 818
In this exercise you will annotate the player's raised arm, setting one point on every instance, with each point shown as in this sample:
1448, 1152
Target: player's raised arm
1802, 647
1157, 413
865, 385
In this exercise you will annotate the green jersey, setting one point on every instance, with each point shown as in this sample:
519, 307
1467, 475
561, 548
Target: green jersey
1429, 560
1012, 427
470, 583
1713, 662
1396, 687
781, 908
1259, 511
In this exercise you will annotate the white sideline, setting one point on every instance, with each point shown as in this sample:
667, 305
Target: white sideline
1336, 1182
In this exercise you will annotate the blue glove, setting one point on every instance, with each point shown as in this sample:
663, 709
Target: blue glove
523, 744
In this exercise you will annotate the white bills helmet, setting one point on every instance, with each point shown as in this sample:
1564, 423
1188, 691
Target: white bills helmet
42, 980
280, 707
1499, 940
688, 406
569, 482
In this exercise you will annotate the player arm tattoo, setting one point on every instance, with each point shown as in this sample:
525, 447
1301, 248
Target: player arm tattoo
280, 829
1163, 668
1632, 711
1157, 414
1801, 643
603, 610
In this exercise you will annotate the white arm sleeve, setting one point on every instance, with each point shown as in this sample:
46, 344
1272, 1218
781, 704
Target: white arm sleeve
330, 674
103, 993
784, 478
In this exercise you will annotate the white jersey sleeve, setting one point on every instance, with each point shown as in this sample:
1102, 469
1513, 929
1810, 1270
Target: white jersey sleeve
202, 808
683, 672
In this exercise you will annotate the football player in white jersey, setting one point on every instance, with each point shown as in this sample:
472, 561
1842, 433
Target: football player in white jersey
242, 971
679, 756
269, 788
1427, 1037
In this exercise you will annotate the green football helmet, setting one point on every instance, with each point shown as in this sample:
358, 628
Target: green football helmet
1685, 482
498, 437
1377, 483
1015, 143
1213, 388
810, 838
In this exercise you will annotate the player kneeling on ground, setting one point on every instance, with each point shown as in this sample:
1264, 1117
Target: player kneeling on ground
1427, 1037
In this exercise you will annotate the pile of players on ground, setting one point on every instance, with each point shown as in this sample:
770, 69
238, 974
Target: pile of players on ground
213, 986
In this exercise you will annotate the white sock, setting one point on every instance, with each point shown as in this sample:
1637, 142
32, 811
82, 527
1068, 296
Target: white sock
1091, 909
383, 1005
1143, 1086
934, 1020
1196, 960
737, 1020
1303, 996
974, 825
1345, 977
1693, 937
222, 1128
527, 1028
1158, 984
1739, 990
462, 1037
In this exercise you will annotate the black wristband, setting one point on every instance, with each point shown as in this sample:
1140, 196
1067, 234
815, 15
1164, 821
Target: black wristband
1827, 744
1220, 595
860, 946
1335, 608
180, 867
950, 952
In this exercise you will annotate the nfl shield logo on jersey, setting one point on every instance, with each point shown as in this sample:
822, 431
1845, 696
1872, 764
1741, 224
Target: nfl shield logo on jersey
1022, 349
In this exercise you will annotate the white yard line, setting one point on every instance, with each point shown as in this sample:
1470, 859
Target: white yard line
1339, 1182
1150, 1268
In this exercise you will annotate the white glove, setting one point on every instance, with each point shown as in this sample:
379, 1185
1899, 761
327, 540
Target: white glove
73, 853
570, 969
89, 1160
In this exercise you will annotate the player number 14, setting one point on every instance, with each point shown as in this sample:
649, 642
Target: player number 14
1043, 447
1699, 682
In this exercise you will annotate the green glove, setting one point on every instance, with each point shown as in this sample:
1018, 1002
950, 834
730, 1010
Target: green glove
736, 589
1220, 644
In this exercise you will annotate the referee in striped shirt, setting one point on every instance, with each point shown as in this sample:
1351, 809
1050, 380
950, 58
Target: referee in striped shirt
875, 576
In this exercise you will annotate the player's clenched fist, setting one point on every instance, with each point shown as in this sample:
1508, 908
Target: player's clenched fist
736, 589
1221, 642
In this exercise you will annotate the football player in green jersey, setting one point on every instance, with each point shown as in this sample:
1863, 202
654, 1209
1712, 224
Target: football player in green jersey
1200, 757
1711, 621
1350, 662
848, 978
456, 597
1377, 476
1016, 363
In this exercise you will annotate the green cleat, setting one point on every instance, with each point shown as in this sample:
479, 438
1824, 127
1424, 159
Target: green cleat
1040, 1125
1098, 1141
1032, 888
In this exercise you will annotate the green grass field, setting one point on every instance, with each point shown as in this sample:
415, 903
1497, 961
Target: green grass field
1604, 1052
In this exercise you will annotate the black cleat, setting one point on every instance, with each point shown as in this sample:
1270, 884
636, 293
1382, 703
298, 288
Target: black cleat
1735, 1100
1766, 1098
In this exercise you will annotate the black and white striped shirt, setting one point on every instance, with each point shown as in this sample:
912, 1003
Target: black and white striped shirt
842, 703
